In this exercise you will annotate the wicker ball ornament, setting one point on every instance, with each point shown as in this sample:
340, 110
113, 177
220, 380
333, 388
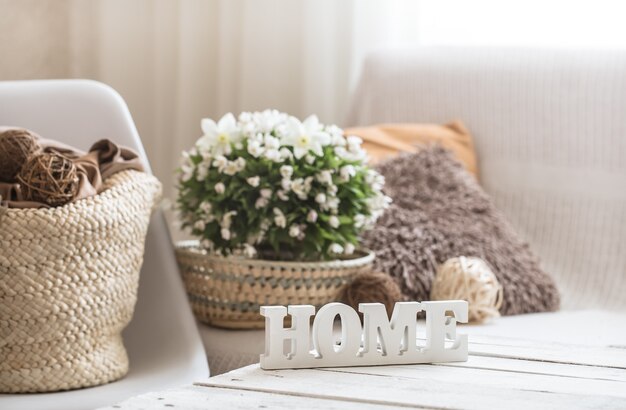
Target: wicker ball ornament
470, 279
49, 178
370, 287
16, 146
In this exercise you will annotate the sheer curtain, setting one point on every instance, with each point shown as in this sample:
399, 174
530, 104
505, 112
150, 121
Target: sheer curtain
528, 23
176, 61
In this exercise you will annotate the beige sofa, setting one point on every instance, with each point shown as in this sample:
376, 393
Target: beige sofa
550, 134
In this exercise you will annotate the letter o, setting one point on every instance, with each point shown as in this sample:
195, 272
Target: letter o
323, 339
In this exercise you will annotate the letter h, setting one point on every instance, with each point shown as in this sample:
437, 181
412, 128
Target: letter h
276, 334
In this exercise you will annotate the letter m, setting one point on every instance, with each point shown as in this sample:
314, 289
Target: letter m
395, 336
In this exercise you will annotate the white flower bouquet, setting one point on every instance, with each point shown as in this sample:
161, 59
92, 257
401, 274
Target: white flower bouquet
271, 186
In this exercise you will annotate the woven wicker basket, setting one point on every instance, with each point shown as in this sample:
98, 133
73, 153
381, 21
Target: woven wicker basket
68, 286
227, 292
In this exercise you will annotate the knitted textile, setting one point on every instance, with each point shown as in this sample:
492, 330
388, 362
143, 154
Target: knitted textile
440, 212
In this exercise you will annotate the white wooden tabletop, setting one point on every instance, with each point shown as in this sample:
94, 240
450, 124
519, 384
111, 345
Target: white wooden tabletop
500, 373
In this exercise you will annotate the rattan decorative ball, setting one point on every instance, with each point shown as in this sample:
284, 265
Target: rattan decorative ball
16, 145
471, 279
49, 178
370, 287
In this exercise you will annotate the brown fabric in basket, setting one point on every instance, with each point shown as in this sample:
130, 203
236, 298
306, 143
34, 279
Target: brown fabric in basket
104, 159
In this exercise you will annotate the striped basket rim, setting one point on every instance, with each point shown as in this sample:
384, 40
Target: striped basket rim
193, 248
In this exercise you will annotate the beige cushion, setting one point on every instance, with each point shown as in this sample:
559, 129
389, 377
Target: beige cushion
388, 140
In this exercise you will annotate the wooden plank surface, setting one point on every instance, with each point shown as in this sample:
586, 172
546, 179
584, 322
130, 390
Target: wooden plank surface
500, 373
198, 397
539, 367
608, 356
429, 386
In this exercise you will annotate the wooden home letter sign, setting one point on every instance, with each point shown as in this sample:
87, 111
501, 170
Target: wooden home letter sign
379, 341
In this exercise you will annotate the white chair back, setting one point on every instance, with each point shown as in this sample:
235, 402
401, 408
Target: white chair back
162, 340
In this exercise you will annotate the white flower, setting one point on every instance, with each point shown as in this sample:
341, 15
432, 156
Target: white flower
346, 172
307, 183
199, 225
220, 162
264, 121
219, 137
324, 177
279, 218
286, 171
261, 202
220, 188
227, 219
266, 193
240, 163
294, 231
245, 116
332, 203
333, 221
320, 198
231, 168
273, 155
336, 135
265, 225
335, 248
258, 137
332, 189
271, 142
206, 156
349, 249
298, 186
286, 184
341, 152
378, 202
376, 180
254, 148
355, 155
285, 153
203, 172
225, 232
354, 142
311, 216
305, 136
206, 207
186, 173
249, 251
310, 159
359, 220
254, 181
282, 195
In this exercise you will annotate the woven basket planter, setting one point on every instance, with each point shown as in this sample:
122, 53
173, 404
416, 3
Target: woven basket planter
228, 291
68, 286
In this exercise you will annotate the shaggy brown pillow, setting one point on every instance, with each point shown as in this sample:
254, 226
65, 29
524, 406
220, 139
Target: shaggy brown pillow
439, 212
